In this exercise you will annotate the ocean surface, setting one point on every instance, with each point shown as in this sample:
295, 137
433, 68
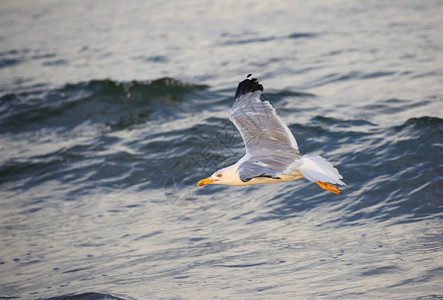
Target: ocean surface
111, 111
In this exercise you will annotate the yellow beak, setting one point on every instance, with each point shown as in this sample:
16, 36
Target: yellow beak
205, 181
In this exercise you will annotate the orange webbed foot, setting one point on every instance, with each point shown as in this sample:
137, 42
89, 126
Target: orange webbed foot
329, 187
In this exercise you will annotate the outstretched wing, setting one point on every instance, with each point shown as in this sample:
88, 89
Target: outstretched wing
269, 143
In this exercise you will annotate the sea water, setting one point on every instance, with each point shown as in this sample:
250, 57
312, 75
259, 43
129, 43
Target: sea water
110, 113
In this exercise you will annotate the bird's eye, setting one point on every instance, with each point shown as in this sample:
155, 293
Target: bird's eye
219, 175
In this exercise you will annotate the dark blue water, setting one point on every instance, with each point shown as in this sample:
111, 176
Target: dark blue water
110, 113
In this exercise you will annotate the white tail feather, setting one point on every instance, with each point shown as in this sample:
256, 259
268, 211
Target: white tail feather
316, 168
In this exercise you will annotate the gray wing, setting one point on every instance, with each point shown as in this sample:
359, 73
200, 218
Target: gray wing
271, 167
270, 145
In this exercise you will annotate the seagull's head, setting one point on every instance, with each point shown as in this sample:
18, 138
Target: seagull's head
216, 178
222, 176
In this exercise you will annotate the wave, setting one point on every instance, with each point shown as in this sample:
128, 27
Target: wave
85, 296
239, 40
116, 104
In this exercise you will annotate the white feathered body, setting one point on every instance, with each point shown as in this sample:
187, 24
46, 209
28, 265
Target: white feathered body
314, 168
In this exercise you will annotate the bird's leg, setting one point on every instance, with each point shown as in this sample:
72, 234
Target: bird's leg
328, 187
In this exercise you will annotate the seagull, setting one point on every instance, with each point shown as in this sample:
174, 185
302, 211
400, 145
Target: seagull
272, 153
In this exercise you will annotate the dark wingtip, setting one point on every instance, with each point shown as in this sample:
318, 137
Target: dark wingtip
249, 85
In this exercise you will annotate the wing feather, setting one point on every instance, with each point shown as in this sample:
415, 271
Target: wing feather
270, 145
